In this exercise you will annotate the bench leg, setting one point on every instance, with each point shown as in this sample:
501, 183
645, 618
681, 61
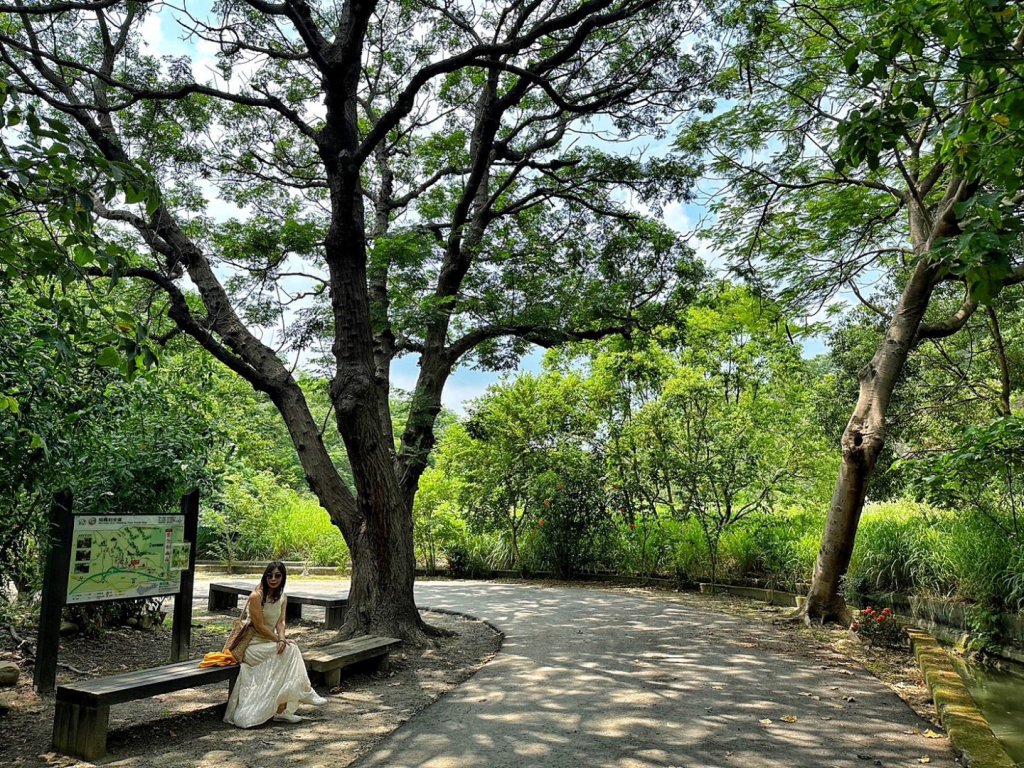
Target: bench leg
332, 678
221, 601
81, 730
384, 663
335, 616
292, 611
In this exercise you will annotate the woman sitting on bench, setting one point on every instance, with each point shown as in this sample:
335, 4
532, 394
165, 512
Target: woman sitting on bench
272, 679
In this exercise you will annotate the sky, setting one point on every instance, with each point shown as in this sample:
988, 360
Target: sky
163, 37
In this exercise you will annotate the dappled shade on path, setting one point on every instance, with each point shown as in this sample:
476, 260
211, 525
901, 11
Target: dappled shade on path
594, 678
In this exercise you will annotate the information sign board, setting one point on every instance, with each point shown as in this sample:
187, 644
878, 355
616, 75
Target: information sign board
114, 557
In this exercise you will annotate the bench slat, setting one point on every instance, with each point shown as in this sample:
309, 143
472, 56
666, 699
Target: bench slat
144, 683
82, 709
348, 652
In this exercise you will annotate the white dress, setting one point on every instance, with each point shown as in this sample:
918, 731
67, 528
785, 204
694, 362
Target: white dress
267, 679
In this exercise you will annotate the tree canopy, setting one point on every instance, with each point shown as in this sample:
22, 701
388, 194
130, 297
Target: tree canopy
416, 178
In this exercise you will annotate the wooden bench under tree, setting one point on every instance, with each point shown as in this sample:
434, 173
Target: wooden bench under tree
224, 596
82, 713
326, 663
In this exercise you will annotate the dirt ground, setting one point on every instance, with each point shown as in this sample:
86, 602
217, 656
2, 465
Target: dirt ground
184, 729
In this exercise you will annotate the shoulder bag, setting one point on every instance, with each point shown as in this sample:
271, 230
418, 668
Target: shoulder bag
242, 632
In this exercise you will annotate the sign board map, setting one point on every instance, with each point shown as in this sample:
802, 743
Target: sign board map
114, 557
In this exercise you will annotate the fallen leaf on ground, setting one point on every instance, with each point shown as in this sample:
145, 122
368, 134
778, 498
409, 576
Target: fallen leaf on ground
766, 721
789, 719
925, 759
930, 734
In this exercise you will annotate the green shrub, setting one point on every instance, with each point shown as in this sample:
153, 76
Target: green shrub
645, 546
739, 552
93, 618
879, 628
1015, 580
472, 558
574, 523
978, 558
260, 519
692, 561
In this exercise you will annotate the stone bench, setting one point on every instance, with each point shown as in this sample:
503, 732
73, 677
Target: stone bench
224, 596
82, 713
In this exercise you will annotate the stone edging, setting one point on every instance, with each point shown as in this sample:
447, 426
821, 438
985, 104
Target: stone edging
969, 732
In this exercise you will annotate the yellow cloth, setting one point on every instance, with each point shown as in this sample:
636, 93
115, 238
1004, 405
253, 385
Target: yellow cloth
217, 659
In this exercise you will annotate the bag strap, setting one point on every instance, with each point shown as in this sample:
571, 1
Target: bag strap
244, 615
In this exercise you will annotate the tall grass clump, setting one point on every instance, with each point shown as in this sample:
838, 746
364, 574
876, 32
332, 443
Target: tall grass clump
257, 518
644, 546
898, 549
979, 556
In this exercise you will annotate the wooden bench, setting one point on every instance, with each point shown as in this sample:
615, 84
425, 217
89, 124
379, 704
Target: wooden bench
326, 663
224, 596
82, 713
82, 710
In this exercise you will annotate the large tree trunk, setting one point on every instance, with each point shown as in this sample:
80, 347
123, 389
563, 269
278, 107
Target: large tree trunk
862, 442
380, 598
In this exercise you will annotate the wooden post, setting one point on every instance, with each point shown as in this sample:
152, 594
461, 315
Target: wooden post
55, 587
181, 626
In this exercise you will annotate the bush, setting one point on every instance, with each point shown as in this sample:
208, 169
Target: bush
692, 561
575, 524
93, 618
260, 519
646, 546
879, 628
473, 557
917, 549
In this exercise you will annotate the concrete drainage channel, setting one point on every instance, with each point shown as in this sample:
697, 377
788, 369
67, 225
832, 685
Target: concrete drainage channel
969, 731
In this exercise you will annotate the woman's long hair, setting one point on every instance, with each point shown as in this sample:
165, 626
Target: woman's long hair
265, 590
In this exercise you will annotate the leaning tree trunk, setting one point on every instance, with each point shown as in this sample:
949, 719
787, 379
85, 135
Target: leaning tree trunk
862, 442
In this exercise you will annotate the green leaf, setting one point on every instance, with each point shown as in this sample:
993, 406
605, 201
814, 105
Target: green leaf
850, 59
109, 357
133, 194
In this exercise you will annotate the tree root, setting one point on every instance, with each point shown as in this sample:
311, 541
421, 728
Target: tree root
78, 671
433, 631
28, 653
837, 614
798, 615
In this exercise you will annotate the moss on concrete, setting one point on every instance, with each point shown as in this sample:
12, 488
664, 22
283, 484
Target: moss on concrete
968, 730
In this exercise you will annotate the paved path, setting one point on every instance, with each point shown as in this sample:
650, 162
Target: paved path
592, 678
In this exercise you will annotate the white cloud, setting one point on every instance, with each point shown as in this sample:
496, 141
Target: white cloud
153, 37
